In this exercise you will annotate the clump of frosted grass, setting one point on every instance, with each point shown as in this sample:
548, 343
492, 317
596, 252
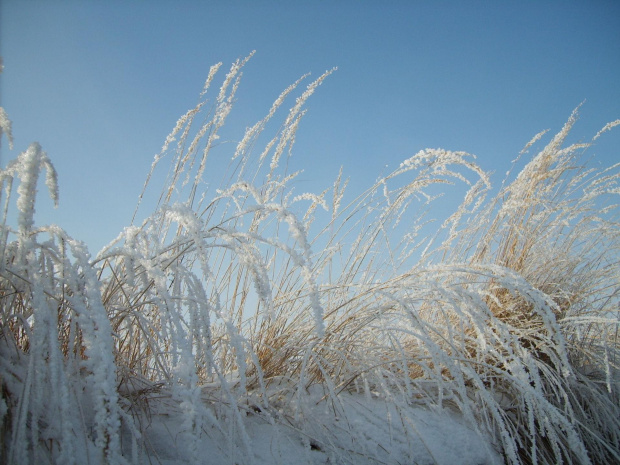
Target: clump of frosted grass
245, 299
56, 337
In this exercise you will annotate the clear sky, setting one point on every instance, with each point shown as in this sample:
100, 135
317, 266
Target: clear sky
100, 84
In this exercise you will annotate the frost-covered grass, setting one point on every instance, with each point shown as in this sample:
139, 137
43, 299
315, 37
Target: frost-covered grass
254, 313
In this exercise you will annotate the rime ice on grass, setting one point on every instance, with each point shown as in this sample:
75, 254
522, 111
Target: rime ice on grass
253, 317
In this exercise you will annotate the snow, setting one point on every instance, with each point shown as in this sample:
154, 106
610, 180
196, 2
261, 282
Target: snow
364, 431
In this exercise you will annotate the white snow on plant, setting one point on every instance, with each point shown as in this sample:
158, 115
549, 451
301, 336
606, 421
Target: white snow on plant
244, 324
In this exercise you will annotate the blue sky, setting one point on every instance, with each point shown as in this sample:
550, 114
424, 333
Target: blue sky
101, 84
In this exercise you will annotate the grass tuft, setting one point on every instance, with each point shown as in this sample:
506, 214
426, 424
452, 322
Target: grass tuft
249, 300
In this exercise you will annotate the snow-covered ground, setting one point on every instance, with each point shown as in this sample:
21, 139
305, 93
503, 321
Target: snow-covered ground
364, 431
